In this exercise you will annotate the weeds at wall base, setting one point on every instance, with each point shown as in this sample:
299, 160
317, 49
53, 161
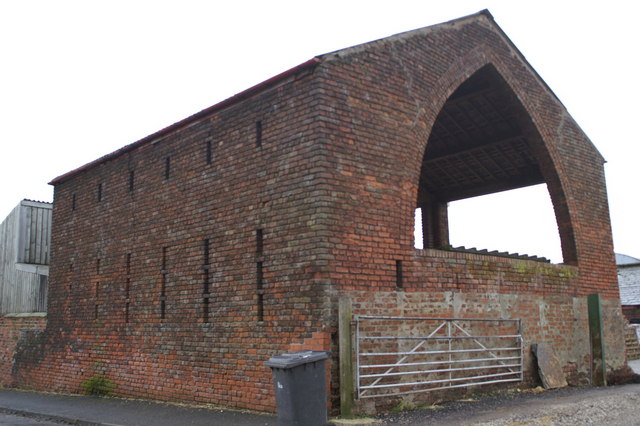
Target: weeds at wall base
98, 386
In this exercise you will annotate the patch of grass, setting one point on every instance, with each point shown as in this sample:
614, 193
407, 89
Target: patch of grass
403, 406
98, 385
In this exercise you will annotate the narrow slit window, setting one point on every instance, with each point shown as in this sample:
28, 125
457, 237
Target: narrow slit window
259, 276
258, 134
167, 167
260, 291
127, 287
205, 309
205, 280
99, 192
98, 265
260, 308
69, 282
399, 277
132, 175
259, 242
163, 284
128, 263
97, 298
208, 151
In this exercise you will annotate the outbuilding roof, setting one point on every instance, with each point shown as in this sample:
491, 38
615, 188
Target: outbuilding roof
623, 260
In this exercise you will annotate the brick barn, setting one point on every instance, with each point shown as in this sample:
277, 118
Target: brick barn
181, 262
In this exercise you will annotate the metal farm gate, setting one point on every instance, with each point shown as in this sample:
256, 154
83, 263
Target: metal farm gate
402, 355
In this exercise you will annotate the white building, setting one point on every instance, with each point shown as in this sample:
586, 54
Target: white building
629, 281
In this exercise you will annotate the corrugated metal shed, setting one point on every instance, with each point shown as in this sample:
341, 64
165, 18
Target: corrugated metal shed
25, 239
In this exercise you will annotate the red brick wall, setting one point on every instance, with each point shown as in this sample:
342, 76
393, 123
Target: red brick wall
16, 331
384, 101
333, 187
274, 187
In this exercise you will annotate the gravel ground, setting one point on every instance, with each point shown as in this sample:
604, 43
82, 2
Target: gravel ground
614, 405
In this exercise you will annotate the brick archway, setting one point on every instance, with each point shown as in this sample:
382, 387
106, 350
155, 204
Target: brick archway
484, 139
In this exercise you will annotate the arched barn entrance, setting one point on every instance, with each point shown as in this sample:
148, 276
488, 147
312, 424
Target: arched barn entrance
482, 142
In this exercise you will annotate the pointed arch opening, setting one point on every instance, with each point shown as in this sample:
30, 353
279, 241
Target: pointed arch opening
482, 142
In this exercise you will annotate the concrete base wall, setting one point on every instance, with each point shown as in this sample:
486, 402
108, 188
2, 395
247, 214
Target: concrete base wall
561, 321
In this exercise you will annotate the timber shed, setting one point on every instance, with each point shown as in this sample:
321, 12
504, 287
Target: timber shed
185, 260
25, 239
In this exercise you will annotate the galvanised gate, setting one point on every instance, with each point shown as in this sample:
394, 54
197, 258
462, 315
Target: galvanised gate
402, 355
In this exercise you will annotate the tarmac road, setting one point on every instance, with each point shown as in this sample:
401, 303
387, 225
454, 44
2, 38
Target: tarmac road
613, 405
16, 420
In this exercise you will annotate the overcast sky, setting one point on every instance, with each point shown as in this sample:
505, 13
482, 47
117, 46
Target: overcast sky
80, 79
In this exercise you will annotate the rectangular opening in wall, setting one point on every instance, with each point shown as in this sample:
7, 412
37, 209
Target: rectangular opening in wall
127, 286
205, 280
132, 175
259, 241
208, 151
99, 190
98, 266
258, 134
259, 276
167, 167
205, 309
69, 285
97, 296
260, 312
163, 283
399, 277
259, 291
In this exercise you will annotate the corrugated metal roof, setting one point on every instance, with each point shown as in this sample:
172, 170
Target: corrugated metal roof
623, 259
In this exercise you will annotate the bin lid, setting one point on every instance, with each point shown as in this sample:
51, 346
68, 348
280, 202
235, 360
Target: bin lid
295, 359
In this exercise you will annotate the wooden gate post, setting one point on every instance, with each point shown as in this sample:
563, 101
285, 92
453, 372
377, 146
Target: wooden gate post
598, 364
346, 357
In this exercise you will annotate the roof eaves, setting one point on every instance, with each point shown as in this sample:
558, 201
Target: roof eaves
629, 265
246, 94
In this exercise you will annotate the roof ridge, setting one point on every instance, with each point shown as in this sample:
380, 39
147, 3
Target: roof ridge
340, 53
